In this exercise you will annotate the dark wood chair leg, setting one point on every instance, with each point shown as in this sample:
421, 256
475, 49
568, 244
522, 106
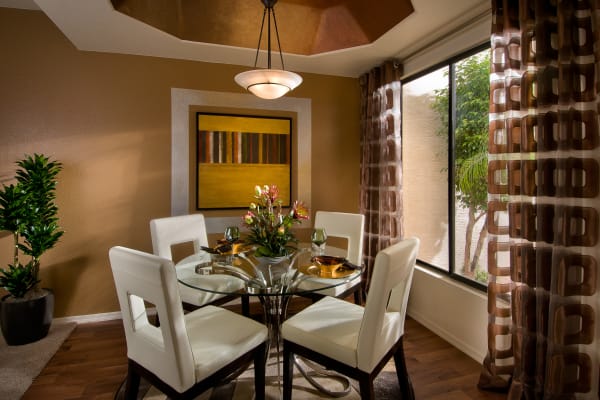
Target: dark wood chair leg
406, 387
358, 297
367, 391
132, 384
288, 373
245, 306
260, 360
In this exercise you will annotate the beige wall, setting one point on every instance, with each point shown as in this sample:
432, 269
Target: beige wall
107, 118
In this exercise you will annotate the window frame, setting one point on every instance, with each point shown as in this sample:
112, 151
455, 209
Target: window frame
451, 64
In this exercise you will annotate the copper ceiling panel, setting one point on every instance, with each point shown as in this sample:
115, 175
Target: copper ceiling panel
305, 26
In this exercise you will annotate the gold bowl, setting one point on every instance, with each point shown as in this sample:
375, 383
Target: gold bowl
226, 253
328, 264
225, 248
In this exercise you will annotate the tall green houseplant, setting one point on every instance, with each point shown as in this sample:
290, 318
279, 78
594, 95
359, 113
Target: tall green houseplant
29, 212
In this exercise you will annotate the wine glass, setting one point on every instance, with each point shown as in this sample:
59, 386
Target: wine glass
318, 239
232, 234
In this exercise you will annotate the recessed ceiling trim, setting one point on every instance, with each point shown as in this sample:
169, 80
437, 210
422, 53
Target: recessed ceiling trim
93, 25
21, 4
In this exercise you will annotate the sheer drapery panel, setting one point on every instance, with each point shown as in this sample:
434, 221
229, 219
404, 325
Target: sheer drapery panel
543, 186
381, 159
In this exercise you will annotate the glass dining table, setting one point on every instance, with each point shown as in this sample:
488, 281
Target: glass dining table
272, 283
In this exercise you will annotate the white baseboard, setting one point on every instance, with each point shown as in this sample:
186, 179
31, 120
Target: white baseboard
455, 341
84, 319
89, 318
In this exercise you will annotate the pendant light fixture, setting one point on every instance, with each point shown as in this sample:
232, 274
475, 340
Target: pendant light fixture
268, 83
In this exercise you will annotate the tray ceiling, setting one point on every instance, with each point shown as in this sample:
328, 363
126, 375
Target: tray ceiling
332, 37
305, 27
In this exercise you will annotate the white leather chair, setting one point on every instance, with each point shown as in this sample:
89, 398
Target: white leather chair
350, 227
188, 353
169, 231
353, 340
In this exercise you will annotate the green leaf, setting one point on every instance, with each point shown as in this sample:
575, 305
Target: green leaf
18, 279
28, 210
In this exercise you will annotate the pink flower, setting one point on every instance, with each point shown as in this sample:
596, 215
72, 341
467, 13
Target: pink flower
249, 218
271, 193
300, 210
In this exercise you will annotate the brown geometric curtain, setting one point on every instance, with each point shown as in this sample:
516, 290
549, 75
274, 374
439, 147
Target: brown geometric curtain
543, 211
381, 159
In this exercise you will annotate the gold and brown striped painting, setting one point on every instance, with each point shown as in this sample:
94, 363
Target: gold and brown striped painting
237, 152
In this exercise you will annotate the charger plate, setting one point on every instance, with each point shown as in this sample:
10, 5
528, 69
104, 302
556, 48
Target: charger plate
337, 271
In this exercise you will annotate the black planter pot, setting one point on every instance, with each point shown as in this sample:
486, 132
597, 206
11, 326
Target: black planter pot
26, 320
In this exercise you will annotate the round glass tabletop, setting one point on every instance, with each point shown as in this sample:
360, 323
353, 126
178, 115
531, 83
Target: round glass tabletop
244, 274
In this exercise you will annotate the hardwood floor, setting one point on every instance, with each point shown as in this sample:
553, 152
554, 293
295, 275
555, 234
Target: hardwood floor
92, 363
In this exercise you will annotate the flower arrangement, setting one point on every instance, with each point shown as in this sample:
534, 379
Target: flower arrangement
270, 227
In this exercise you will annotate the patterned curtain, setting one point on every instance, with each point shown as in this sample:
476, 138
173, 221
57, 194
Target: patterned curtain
381, 159
543, 184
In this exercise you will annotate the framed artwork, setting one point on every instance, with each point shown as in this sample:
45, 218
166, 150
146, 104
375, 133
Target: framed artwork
234, 153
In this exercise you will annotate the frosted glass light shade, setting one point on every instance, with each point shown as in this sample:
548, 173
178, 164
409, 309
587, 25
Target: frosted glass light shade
268, 83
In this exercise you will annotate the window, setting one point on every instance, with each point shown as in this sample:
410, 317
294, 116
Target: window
445, 133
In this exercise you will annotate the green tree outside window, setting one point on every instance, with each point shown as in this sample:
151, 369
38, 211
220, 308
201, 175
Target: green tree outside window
470, 124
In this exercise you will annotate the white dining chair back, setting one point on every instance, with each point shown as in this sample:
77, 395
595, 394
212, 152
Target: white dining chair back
354, 340
164, 350
347, 226
169, 231
390, 283
186, 350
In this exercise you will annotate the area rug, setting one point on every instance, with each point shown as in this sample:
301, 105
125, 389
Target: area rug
386, 387
19, 365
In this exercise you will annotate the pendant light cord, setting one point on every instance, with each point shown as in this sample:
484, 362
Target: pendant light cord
278, 42
267, 13
260, 37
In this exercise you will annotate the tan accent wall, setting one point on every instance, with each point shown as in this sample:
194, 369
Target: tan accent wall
107, 118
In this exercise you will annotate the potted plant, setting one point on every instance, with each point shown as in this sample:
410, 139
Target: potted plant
29, 212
